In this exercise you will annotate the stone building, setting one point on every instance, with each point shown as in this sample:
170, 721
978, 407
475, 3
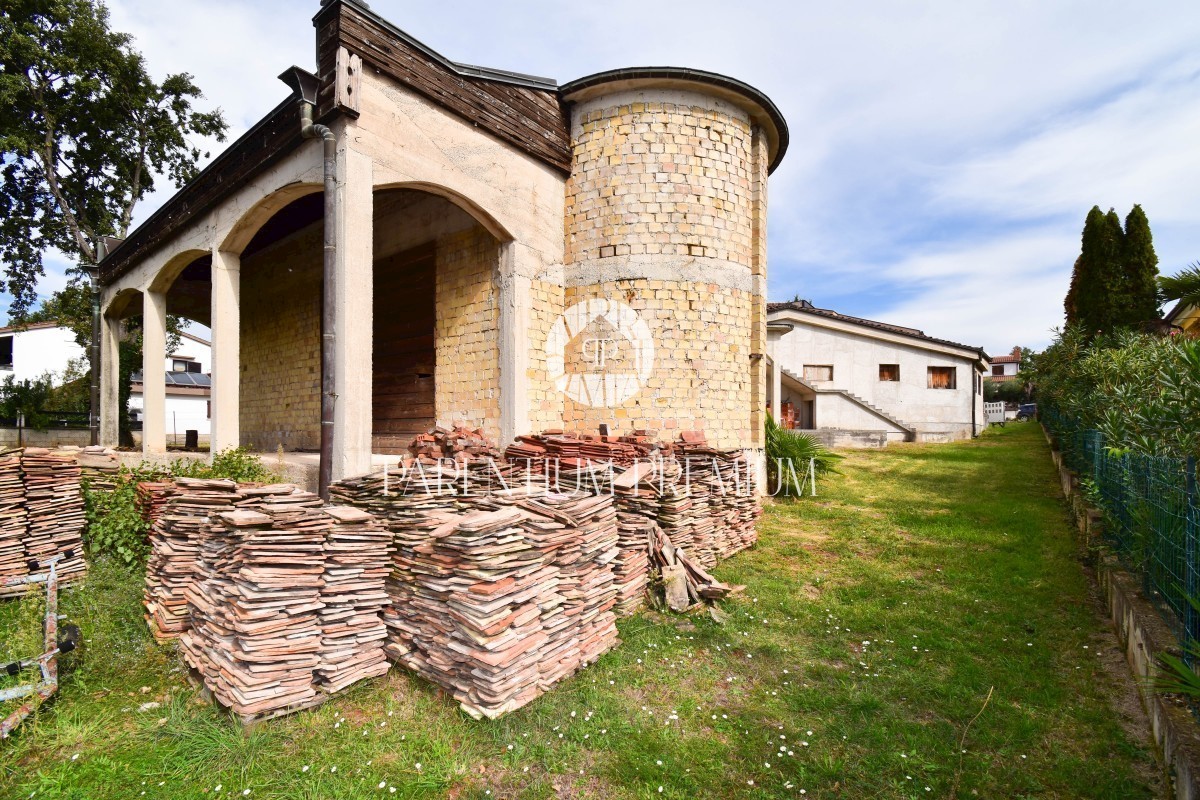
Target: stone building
510, 253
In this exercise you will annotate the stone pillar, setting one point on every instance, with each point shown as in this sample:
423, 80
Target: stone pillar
354, 312
154, 379
226, 350
110, 381
517, 265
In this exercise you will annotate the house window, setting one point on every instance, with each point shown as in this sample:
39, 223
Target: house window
179, 365
889, 372
998, 370
818, 372
6, 350
943, 378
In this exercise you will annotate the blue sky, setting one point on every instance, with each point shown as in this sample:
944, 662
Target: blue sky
943, 154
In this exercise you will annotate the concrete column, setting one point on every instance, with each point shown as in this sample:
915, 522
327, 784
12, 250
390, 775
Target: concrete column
110, 377
517, 264
154, 380
226, 350
355, 299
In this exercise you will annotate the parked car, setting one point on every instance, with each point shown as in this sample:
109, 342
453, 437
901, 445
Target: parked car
1026, 411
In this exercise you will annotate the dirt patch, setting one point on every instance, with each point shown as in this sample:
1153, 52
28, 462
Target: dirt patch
1122, 691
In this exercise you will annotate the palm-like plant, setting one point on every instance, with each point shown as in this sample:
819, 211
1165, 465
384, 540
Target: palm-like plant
1184, 287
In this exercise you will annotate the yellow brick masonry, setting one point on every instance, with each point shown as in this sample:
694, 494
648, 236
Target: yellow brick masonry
545, 401
702, 370
281, 345
467, 331
661, 178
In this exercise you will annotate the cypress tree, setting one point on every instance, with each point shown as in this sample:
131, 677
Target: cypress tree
1089, 282
1071, 303
1140, 296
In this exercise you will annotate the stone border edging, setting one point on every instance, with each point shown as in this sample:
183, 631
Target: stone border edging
1144, 636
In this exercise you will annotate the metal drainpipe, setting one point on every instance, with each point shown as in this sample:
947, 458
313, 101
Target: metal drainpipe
93, 271
309, 130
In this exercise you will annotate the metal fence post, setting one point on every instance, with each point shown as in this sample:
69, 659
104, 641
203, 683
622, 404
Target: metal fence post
1190, 567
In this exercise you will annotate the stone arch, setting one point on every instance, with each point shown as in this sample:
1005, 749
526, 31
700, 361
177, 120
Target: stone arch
124, 304
478, 212
249, 223
175, 265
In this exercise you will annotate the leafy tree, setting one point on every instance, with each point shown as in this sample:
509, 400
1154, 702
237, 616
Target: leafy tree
84, 131
29, 398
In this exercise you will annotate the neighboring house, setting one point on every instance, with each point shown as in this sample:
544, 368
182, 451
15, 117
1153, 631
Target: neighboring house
860, 382
1184, 317
1006, 367
189, 389
37, 349
42, 348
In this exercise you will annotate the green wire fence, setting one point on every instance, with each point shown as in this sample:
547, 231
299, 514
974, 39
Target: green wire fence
1151, 516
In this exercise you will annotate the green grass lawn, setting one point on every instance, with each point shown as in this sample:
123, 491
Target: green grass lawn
858, 664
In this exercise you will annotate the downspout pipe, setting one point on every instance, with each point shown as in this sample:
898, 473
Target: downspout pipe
306, 85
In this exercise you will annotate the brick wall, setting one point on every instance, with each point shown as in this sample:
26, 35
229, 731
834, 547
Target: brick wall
281, 345
545, 400
660, 177
701, 377
467, 331
666, 210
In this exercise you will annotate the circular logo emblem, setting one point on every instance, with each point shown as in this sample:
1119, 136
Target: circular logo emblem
600, 353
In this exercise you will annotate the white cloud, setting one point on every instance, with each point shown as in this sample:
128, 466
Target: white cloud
935, 147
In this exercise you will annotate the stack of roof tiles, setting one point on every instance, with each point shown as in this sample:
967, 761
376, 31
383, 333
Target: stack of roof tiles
54, 505
13, 522
725, 480
498, 605
459, 443
282, 596
256, 637
175, 541
352, 630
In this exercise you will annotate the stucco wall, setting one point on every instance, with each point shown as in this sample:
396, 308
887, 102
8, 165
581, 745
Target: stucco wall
38, 351
855, 359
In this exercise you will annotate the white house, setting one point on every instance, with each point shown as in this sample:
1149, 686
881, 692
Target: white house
42, 348
858, 382
189, 389
39, 348
1006, 367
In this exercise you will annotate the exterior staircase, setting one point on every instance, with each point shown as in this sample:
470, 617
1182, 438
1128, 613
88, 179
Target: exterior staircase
910, 433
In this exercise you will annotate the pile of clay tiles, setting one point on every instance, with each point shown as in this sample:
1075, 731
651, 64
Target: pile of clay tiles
13, 523
98, 467
54, 509
357, 548
499, 604
460, 443
574, 449
723, 481
152, 498
284, 603
175, 539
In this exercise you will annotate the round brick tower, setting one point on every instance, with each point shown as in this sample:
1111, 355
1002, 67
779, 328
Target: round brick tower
666, 215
